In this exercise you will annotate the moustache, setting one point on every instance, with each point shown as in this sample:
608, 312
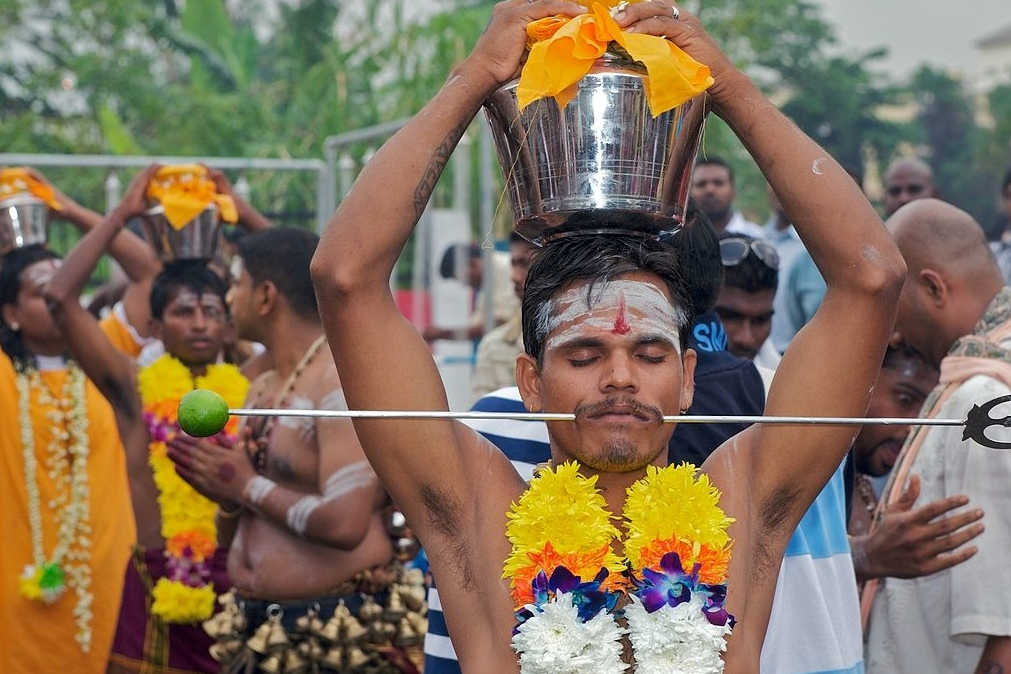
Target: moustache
616, 405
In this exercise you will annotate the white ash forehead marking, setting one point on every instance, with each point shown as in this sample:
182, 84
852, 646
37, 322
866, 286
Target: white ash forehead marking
646, 308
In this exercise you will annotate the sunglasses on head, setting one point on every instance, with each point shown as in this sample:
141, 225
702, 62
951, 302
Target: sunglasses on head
734, 251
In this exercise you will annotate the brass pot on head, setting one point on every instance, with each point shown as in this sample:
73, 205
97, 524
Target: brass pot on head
601, 164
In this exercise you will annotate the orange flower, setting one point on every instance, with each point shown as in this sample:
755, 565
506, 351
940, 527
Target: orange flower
201, 545
714, 561
586, 565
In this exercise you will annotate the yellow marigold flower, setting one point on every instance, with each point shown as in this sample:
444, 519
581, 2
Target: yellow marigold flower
175, 602
564, 509
670, 504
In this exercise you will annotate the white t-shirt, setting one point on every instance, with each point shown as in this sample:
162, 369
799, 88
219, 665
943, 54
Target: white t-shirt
939, 624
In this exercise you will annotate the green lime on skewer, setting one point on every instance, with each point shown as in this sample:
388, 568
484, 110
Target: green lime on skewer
202, 413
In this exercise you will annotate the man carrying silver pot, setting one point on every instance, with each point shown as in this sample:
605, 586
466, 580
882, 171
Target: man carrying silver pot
604, 320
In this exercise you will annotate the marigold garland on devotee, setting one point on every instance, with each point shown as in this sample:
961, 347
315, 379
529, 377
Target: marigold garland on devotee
46, 579
566, 580
184, 595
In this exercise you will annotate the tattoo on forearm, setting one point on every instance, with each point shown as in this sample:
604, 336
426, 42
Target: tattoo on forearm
991, 667
440, 159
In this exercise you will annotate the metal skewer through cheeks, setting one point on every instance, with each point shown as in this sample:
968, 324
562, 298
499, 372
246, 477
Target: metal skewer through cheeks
975, 425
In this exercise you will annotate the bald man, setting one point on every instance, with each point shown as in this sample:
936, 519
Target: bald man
906, 180
956, 311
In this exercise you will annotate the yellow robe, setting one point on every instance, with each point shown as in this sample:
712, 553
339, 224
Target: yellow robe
36, 637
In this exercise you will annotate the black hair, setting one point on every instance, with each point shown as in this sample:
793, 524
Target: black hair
13, 263
751, 274
894, 354
698, 249
177, 275
597, 259
1007, 180
713, 160
282, 255
462, 251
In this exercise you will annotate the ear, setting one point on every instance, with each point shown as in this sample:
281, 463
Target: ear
936, 287
688, 383
528, 378
8, 314
265, 297
155, 326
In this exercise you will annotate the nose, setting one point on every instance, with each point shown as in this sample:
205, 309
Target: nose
896, 341
200, 320
746, 336
620, 373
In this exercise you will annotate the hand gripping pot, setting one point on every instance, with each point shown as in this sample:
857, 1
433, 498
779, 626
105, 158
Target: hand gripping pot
602, 163
24, 220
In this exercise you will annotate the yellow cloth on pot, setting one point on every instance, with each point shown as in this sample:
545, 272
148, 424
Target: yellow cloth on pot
184, 191
19, 180
563, 50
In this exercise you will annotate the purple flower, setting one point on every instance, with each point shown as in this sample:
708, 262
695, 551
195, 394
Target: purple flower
672, 586
587, 597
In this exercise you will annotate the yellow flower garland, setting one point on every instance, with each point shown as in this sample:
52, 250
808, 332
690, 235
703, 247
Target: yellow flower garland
187, 518
561, 522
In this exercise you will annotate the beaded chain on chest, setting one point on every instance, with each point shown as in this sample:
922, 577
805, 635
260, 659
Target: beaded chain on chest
866, 491
257, 433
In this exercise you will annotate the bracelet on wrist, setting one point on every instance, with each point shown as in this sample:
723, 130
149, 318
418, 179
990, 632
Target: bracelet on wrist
230, 514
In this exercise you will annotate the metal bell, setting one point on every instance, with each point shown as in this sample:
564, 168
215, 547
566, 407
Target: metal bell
334, 660
295, 663
355, 631
276, 638
406, 635
356, 659
272, 664
394, 610
370, 610
218, 625
258, 642
224, 650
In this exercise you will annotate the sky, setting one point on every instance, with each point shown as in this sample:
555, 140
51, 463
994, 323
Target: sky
939, 33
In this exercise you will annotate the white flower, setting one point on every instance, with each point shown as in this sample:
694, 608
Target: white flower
555, 641
675, 640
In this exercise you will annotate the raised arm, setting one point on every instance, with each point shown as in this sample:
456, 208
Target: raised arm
833, 362
383, 362
112, 371
250, 219
132, 253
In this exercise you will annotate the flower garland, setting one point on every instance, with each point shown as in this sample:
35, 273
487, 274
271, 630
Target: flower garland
185, 594
47, 578
566, 580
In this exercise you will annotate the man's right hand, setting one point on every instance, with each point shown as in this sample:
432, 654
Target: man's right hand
500, 51
908, 543
134, 202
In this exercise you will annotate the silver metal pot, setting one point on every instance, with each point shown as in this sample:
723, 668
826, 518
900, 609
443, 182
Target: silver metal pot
199, 239
602, 163
24, 220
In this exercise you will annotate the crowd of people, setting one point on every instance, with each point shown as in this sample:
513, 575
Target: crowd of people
290, 543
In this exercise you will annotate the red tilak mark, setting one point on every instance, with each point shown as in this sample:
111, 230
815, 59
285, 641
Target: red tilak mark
621, 326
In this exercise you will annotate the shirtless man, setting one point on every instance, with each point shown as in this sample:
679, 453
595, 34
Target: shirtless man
616, 362
299, 504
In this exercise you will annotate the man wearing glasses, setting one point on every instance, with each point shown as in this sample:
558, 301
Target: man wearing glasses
751, 274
